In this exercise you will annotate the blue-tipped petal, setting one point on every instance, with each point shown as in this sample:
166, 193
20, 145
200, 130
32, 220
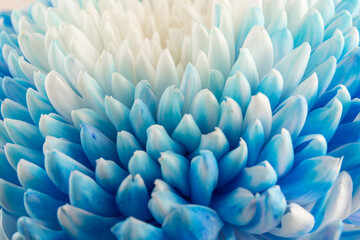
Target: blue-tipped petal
34, 177
175, 171
23, 133
271, 206
149, 170
283, 44
192, 222
123, 89
331, 47
290, 115
292, 68
118, 114
230, 121
254, 137
259, 109
238, 88
37, 105
215, 142
245, 64
295, 222
58, 167
203, 177
310, 29
309, 89
81, 224
97, 145
70, 149
14, 110
166, 74
109, 175
159, 141
340, 21
14, 153
271, 85
133, 228
335, 204
190, 86
170, 108
237, 207
140, 119
317, 174
279, 153
144, 93
205, 110
162, 203
41, 206
324, 120
90, 117
33, 229
257, 178
309, 146
86, 194
232, 163
132, 198
219, 52
252, 17
350, 154
54, 125
11, 198
187, 133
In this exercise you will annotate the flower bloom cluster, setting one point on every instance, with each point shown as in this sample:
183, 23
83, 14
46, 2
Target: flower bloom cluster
180, 119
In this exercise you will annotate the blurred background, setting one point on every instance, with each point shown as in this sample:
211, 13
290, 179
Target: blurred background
11, 4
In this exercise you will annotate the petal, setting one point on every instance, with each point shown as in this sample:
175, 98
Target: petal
219, 53
283, 44
190, 86
11, 198
187, 133
123, 89
309, 89
14, 153
340, 21
310, 29
309, 146
118, 114
271, 85
254, 138
144, 93
109, 175
126, 145
141, 119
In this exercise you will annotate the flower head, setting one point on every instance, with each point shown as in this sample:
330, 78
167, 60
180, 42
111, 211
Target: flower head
177, 119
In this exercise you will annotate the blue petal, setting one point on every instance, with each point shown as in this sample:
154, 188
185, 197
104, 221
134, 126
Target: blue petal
41, 206
292, 68
326, 9
14, 90
232, 163
317, 174
283, 44
345, 133
58, 166
149, 170
126, 145
132, 198
331, 231
187, 133
309, 89
162, 203
271, 206
14, 153
271, 85
37, 105
7, 172
219, 52
190, 86
97, 145
341, 21
86, 194
34, 177
11, 198
237, 208
175, 171
309, 146
205, 110
324, 120
14, 110
7, 225
141, 119
192, 222
118, 114
159, 141
169, 109
310, 29
144, 93
350, 5
133, 228
203, 177
351, 39
291, 115
125, 89
84, 225
350, 154
254, 137
24, 134
109, 175
216, 83
279, 153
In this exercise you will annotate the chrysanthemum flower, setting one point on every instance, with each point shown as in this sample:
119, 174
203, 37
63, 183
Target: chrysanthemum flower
180, 119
